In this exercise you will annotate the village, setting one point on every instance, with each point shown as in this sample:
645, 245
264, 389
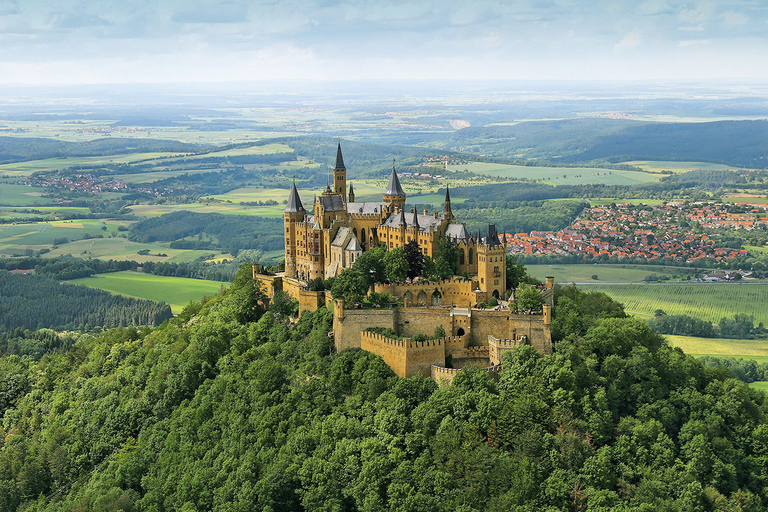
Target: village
675, 230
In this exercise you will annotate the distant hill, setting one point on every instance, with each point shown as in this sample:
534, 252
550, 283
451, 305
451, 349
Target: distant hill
738, 143
19, 149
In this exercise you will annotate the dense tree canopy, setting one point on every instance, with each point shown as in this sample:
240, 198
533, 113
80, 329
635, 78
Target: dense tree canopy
232, 408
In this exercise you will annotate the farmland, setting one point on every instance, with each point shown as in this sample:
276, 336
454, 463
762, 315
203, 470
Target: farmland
176, 291
756, 350
656, 166
123, 249
557, 175
606, 273
709, 302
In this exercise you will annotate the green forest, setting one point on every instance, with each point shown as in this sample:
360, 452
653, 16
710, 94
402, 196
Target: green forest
33, 302
232, 408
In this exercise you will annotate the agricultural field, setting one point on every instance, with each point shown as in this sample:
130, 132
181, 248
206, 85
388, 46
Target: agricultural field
677, 167
15, 238
602, 201
748, 199
567, 274
756, 350
760, 386
558, 175
122, 249
700, 300
176, 291
21, 195
28, 167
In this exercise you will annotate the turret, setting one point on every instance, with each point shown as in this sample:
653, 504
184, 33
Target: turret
492, 265
340, 175
394, 194
351, 194
447, 207
294, 213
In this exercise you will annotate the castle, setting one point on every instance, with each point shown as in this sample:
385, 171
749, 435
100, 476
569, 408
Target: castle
339, 229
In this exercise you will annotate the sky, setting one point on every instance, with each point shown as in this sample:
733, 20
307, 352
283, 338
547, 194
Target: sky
175, 41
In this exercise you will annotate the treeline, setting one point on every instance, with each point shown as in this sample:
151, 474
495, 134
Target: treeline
66, 268
232, 233
746, 370
741, 326
18, 149
516, 217
34, 302
243, 410
34, 344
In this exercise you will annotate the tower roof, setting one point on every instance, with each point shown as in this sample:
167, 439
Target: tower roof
493, 237
339, 159
351, 190
394, 188
447, 195
294, 201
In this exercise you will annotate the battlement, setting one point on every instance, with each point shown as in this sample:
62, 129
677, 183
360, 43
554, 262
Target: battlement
366, 216
444, 376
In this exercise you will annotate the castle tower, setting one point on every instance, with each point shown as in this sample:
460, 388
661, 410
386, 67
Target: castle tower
492, 265
447, 207
351, 194
394, 194
293, 214
340, 175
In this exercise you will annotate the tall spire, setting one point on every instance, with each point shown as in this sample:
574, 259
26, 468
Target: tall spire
447, 208
339, 158
394, 188
351, 194
294, 201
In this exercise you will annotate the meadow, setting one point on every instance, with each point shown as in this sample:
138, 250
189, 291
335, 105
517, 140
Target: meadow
567, 274
677, 167
28, 167
705, 301
122, 249
558, 175
176, 291
15, 238
21, 195
756, 350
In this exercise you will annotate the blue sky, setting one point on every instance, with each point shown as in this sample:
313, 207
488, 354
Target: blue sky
126, 41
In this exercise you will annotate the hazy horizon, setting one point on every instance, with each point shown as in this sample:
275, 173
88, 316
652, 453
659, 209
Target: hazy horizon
76, 42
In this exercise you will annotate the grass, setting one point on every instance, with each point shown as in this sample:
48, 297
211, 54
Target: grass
759, 385
21, 195
558, 175
155, 210
122, 249
176, 291
37, 235
55, 164
756, 350
750, 200
602, 201
605, 273
704, 301
677, 167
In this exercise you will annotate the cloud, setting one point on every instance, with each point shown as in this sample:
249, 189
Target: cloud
693, 42
734, 19
69, 20
8, 7
631, 40
655, 8
223, 12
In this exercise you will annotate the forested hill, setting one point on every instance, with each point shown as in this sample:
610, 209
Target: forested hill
19, 149
33, 302
738, 143
228, 408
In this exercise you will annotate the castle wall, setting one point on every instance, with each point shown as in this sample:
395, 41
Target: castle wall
392, 351
348, 324
456, 291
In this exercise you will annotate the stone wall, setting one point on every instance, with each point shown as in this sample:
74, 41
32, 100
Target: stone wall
348, 324
406, 357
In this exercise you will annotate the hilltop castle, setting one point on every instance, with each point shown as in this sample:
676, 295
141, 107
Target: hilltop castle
321, 243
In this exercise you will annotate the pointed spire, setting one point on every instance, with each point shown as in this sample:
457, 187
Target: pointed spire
294, 201
339, 158
394, 188
415, 223
351, 194
492, 238
447, 208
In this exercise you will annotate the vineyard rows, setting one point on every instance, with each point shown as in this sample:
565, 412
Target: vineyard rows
704, 301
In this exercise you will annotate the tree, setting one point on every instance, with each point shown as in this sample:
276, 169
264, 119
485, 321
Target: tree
370, 264
446, 257
415, 259
349, 285
516, 272
529, 298
396, 264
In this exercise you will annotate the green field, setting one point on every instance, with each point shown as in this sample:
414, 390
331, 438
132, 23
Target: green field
122, 249
677, 167
602, 201
759, 385
558, 175
704, 301
21, 195
55, 164
155, 210
756, 350
741, 199
606, 273
15, 238
176, 291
